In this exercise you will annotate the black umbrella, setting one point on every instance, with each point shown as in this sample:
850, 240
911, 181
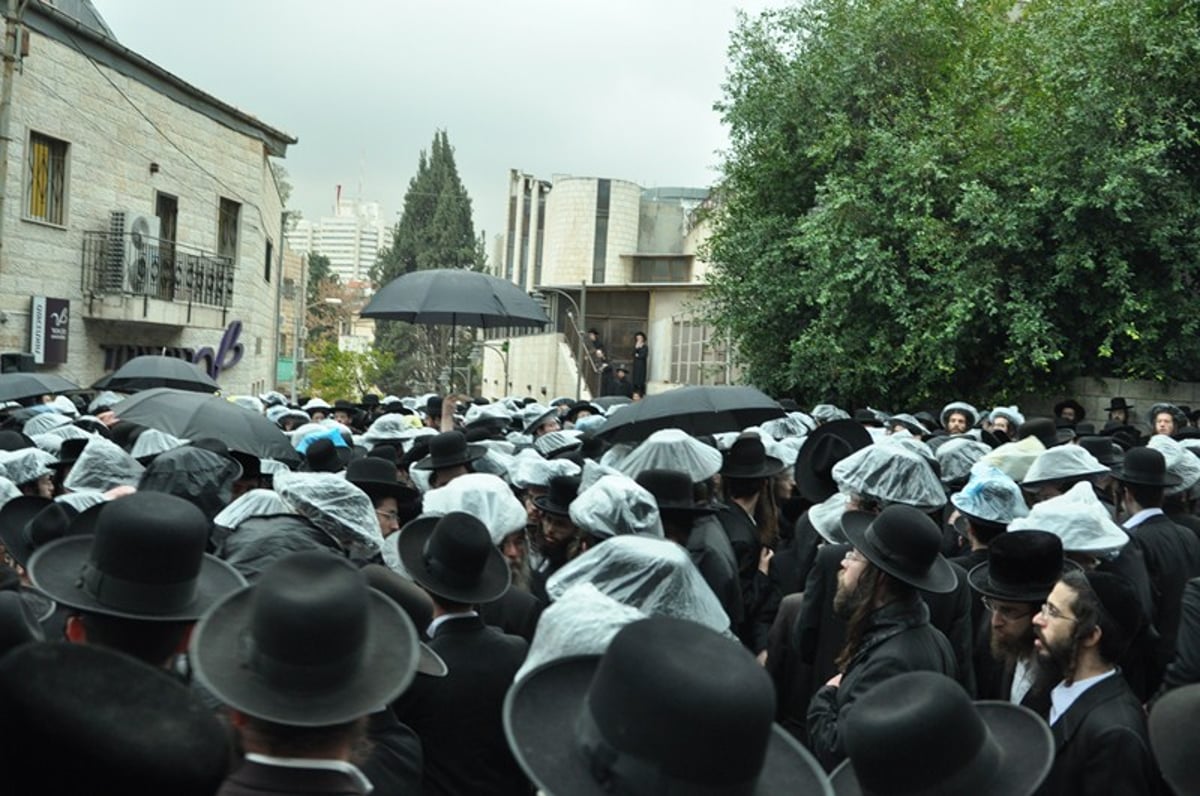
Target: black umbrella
192, 415
696, 410
457, 297
150, 371
607, 402
16, 386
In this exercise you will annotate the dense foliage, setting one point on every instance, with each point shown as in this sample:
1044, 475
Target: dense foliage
960, 198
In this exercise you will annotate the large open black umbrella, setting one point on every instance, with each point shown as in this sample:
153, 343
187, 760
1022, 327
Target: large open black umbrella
455, 297
17, 386
696, 410
151, 370
192, 415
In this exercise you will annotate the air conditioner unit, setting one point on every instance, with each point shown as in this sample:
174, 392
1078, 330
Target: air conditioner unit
132, 262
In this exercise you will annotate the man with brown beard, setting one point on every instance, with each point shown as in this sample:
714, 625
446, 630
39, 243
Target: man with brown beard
1099, 727
1021, 569
894, 554
560, 539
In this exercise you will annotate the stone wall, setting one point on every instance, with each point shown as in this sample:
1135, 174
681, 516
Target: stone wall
1095, 393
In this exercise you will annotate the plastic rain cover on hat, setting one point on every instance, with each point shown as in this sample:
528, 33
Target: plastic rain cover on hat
493, 462
255, 503
653, 575
956, 457
422, 479
963, 407
673, 449
1015, 418
593, 472
47, 421
616, 454
336, 506
250, 402
500, 446
8, 491
891, 472
1015, 458
794, 424
102, 466
107, 398
826, 518
529, 469
273, 398
274, 413
827, 413
62, 403
27, 464
152, 442
581, 622
200, 476
991, 496
558, 442
1180, 462
1078, 518
1061, 463
52, 440
81, 501
495, 412
485, 497
614, 506
389, 428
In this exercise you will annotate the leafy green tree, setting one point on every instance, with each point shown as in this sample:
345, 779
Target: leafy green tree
960, 198
335, 373
321, 317
435, 230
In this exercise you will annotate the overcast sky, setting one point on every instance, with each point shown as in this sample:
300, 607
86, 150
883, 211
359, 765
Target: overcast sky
611, 88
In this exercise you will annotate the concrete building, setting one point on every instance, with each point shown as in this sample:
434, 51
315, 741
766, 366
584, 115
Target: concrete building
351, 238
612, 256
140, 208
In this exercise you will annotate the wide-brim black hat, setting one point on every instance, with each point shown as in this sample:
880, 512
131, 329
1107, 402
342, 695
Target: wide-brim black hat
748, 458
218, 655
489, 584
1071, 403
468, 453
939, 578
1144, 466
1025, 748
850, 436
1173, 725
544, 707
55, 569
1117, 404
377, 477
13, 518
1022, 567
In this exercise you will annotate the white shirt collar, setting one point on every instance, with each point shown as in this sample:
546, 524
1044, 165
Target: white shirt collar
348, 769
1140, 517
1063, 695
1022, 681
436, 623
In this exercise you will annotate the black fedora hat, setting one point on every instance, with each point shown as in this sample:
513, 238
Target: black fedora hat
450, 449
1117, 404
325, 456
562, 490
69, 453
126, 727
1174, 723
583, 406
747, 458
145, 561
14, 519
415, 602
19, 621
983, 748
309, 645
1070, 403
453, 557
377, 477
672, 490
1144, 466
671, 707
822, 449
904, 543
1022, 567
1043, 428
1106, 451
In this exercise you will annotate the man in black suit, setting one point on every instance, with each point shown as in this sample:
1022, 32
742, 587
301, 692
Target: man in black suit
1099, 727
459, 717
1171, 553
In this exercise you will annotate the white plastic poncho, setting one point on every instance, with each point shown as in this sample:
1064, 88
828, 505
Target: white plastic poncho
891, 472
46, 421
27, 464
336, 506
615, 455
52, 440
1180, 462
485, 497
593, 472
529, 469
8, 491
1079, 519
494, 462
614, 506
653, 575
152, 442
581, 622
255, 503
102, 466
673, 449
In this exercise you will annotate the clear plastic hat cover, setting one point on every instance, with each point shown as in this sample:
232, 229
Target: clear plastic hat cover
52, 440
653, 575
1062, 462
581, 622
957, 456
893, 472
101, 466
251, 402
528, 469
1180, 462
827, 413
8, 491
336, 506
391, 428
826, 518
46, 421
27, 464
484, 496
616, 505
1078, 518
990, 495
1015, 458
255, 503
672, 449
152, 442
107, 398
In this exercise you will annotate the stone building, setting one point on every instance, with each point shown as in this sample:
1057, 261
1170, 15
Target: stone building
145, 204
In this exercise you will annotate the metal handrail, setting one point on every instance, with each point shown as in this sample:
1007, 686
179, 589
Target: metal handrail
579, 338
135, 265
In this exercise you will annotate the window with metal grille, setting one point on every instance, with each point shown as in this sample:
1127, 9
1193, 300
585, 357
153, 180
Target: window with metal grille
227, 228
46, 180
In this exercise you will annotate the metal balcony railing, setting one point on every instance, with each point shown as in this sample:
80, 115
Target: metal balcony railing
134, 265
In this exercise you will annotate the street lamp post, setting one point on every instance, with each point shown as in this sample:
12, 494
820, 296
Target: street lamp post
300, 331
580, 308
502, 350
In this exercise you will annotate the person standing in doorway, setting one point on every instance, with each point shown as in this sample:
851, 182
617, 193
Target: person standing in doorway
640, 353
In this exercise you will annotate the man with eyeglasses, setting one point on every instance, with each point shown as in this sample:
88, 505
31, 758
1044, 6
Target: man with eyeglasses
377, 477
1099, 727
1021, 570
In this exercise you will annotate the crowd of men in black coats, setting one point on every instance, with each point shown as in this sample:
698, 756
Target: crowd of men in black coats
448, 595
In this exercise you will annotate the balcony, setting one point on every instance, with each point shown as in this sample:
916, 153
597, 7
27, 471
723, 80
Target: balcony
136, 279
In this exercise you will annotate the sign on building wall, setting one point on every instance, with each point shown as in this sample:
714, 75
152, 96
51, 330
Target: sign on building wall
49, 321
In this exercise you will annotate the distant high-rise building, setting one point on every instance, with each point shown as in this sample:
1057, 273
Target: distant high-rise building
351, 238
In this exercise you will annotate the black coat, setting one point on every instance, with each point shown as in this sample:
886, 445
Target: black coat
395, 763
760, 593
255, 779
1172, 558
1143, 662
638, 376
899, 639
516, 612
1185, 669
459, 717
1101, 745
710, 551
